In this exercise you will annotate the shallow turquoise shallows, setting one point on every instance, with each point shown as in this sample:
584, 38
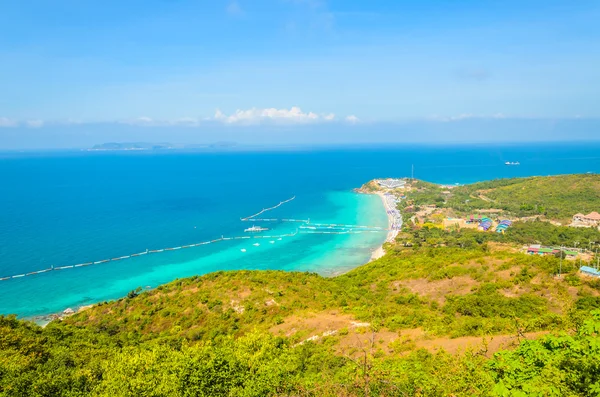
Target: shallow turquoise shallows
61, 209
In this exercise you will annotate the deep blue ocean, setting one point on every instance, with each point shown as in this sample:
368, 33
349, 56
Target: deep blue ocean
67, 208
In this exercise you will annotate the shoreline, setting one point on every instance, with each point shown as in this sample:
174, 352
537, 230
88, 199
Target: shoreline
376, 253
392, 233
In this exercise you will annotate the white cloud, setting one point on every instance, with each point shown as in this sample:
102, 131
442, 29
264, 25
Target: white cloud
467, 116
186, 121
352, 119
254, 116
34, 123
234, 8
5, 122
145, 121
294, 115
150, 122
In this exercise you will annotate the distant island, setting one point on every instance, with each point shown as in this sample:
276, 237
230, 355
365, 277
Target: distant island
114, 146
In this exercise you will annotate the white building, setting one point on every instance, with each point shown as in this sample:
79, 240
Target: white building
591, 219
392, 183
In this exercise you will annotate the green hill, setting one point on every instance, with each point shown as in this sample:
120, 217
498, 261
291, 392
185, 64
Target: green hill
556, 197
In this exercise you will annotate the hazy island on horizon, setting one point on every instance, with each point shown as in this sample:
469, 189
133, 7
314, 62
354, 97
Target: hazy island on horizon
127, 146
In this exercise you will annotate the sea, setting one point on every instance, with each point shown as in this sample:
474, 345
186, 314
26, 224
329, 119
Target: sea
67, 208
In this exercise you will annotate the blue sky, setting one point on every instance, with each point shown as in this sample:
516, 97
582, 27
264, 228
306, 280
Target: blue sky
199, 69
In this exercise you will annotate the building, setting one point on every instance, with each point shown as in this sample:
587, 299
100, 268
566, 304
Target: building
537, 249
591, 219
392, 183
590, 271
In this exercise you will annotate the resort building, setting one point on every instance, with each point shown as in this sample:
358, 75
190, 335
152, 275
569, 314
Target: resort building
392, 183
591, 219
590, 271
537, 249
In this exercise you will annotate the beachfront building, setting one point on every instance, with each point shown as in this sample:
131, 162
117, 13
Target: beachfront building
537, 249
392, 183
590, 271
591, 219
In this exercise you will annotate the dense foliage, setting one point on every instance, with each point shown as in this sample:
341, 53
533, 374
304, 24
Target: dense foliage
557, 197
63, 361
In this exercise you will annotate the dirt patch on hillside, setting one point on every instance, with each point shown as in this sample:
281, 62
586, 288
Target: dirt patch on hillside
490, 344
312, 324
408, 340
439, 289
508, 273
514, 291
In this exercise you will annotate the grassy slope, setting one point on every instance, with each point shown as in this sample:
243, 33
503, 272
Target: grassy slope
556, 197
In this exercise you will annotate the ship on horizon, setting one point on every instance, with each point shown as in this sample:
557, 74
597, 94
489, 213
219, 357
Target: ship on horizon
512, 163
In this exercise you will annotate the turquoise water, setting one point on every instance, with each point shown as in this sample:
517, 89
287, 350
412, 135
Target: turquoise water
69, 208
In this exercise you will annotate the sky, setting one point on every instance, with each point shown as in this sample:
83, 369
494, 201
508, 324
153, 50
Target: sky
74, 73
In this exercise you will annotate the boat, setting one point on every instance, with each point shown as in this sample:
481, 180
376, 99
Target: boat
279, 239
256, 244
512, 163
256, 229
272, 242
243, 250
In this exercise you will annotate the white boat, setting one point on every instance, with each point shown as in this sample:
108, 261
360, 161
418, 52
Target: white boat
272, 242
243, 250
256, 229
256, 244
279, 239
512, 163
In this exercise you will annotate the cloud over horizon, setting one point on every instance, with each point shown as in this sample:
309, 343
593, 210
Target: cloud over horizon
6, 122
293, 115
253, 116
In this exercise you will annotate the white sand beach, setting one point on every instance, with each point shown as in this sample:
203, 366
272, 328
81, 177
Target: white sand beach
392, 233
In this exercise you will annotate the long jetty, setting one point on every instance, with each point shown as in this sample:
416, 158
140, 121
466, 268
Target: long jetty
147, 252
251, 217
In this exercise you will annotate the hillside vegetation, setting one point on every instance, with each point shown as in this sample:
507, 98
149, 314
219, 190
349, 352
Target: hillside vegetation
444, 312
554, 197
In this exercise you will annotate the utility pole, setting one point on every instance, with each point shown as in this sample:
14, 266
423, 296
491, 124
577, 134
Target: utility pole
560, 266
